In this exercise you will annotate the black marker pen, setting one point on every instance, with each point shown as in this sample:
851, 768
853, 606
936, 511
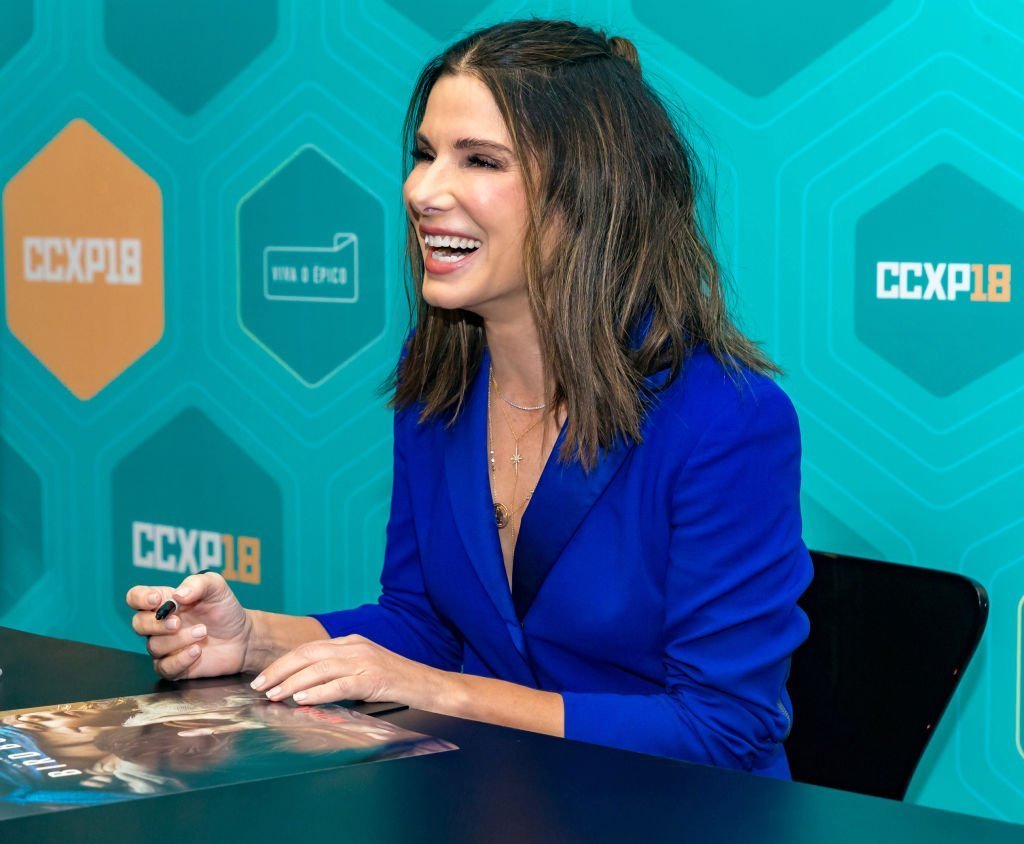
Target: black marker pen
169, 606
165, 609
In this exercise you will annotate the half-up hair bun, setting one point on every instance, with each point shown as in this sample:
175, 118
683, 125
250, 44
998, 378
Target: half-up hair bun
624, 49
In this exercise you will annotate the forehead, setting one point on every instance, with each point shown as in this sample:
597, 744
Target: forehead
462, 106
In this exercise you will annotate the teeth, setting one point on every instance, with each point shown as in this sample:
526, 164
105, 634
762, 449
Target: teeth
450, 258
437, 241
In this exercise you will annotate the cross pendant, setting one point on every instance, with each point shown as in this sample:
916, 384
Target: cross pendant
515, 458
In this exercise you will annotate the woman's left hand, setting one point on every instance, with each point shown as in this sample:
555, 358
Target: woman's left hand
351, 668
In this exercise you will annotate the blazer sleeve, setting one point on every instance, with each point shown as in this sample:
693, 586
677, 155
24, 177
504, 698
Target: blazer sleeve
737, 567
403, 620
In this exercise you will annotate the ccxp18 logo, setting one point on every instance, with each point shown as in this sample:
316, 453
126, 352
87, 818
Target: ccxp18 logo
184, 551
190, 498
83, 258
933, 280
916, 280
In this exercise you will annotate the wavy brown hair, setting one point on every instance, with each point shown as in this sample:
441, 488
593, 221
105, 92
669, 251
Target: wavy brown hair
632, 285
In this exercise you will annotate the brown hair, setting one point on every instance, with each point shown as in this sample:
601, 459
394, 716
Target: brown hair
633, 286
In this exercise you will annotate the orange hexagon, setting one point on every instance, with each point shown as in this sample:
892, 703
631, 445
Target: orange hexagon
83, 247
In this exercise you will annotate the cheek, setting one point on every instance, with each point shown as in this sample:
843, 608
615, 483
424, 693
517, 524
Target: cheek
503, 211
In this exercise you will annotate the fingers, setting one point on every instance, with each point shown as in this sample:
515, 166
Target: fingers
174, 644
199, 587
292, 662
177, 665
147, 597
163, 636
191, 590
313, 665
352, 687
146, 624
327, 680
161, 646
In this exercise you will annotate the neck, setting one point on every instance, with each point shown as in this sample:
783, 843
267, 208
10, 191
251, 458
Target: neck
516, 360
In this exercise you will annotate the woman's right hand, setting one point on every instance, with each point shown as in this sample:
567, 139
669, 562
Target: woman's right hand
208, 636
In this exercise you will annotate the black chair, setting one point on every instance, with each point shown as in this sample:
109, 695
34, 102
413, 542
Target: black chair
888, 646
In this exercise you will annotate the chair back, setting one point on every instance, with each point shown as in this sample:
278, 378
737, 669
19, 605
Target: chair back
888, 646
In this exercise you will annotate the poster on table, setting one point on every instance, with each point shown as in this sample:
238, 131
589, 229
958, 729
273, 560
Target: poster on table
104, 751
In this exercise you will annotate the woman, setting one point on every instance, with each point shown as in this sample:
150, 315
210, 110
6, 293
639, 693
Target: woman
574, 403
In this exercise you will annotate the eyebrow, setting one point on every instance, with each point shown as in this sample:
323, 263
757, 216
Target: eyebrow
470, 143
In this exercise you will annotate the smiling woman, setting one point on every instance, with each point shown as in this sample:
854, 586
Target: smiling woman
595, 524
467, 202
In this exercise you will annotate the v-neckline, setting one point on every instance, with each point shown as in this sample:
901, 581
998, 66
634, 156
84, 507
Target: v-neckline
508, 564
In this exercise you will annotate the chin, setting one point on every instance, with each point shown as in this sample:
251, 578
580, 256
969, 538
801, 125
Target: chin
444, 294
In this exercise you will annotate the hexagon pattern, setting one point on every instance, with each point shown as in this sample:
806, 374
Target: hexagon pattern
311, 265
188, 499
187, 51
21, 527
443, 22
756, 47
845, 136
934, 280
18, 21
824, 530
83, 252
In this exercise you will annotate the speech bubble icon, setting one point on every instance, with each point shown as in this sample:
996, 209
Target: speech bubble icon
313, 273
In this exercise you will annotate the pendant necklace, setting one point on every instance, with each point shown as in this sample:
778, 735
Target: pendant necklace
503, 516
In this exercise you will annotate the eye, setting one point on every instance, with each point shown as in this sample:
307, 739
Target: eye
482, 161
421, 155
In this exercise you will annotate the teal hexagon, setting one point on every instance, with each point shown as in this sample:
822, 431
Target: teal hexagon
443, 22
187, 499
825, 531
18, 23
756, 47
945, 337
21, 529
311, 265
188, 50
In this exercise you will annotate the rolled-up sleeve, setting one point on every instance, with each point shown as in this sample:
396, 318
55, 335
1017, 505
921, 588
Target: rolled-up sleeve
403, 620
737, 567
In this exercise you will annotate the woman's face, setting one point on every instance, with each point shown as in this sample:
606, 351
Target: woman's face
70, 734
466, 185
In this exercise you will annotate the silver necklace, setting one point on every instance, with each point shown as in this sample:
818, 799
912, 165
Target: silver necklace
511, 403
503, 516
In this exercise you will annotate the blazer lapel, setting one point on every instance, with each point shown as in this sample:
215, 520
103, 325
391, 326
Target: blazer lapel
561, 501
470, 492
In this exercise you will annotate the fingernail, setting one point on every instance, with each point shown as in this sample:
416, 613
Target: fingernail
172, 622
199, 631
274, 692
258, 682
185, 591
299, 696
153, 598
194, 650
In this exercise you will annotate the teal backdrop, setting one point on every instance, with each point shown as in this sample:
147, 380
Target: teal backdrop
866, 161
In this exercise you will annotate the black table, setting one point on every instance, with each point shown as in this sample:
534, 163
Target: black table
501, 785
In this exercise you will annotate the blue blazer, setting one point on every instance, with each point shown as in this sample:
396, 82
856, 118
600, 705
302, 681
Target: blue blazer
657, 593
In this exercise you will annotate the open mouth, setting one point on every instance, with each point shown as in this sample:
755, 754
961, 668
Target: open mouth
449, 250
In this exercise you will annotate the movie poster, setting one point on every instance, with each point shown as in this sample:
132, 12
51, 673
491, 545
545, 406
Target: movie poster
104, 751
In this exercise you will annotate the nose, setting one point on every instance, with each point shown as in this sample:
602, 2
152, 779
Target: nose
429, 188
